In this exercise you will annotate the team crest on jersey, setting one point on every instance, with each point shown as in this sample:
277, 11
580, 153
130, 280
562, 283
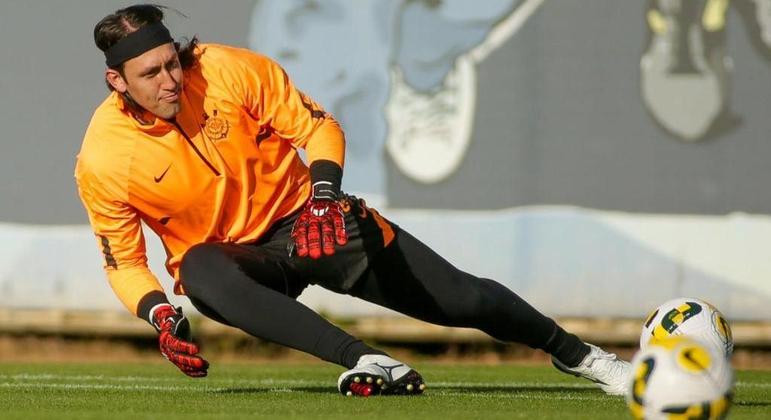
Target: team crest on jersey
215, 127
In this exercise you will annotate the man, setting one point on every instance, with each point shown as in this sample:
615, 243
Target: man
200, 143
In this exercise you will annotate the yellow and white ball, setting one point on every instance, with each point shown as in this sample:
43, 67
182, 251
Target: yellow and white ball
680, 378
690, 317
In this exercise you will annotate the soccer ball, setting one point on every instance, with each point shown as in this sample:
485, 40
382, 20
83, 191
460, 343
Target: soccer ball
680, 378
692, 317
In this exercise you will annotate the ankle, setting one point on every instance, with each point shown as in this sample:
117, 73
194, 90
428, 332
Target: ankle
567, 348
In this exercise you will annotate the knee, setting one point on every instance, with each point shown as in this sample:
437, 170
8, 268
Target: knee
481, 302
469, 306
199, 263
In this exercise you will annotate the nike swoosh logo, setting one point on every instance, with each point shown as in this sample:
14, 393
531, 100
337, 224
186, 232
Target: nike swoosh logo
159, 178
389, 370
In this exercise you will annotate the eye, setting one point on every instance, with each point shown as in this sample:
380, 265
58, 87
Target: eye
152, 73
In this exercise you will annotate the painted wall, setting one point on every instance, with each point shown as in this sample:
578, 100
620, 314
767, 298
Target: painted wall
597, 157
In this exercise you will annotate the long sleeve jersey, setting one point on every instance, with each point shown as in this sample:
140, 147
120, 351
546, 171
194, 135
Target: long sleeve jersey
224, 170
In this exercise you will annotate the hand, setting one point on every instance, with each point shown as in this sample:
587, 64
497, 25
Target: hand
174, 341
320, 225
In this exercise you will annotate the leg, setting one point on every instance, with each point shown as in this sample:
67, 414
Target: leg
374, 372
410, 278
241, 286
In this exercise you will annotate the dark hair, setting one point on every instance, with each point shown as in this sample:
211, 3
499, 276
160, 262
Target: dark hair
116, 26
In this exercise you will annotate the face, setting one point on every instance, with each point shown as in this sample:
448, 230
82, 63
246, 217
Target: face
153, 80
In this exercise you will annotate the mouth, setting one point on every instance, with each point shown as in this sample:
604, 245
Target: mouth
171, 98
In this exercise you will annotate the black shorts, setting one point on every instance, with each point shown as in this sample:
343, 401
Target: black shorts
368, 234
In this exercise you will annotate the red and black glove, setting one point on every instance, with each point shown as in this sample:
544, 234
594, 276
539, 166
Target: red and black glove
319, 227
321, 223
174, 340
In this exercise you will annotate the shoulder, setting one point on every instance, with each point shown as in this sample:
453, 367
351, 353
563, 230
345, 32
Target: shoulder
216, 53
235, 63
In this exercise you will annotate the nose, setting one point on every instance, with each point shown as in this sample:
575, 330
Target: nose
168, 81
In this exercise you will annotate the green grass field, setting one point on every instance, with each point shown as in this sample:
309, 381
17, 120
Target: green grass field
285, 390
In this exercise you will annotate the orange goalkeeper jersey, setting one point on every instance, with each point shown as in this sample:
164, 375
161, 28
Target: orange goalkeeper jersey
223, 171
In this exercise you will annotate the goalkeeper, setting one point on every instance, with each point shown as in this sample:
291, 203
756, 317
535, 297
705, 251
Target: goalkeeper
200, 142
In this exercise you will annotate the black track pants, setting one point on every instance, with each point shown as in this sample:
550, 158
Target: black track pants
243, 287
410, 278
254, 286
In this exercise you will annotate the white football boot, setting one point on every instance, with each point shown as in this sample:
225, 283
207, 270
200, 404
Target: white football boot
376, 374
605, 369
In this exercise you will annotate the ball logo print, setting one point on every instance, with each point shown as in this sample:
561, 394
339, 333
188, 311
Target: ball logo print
674, 318
693, 359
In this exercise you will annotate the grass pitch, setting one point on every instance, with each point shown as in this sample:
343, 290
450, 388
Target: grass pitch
307, 391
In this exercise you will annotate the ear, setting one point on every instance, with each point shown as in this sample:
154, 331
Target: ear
115, 80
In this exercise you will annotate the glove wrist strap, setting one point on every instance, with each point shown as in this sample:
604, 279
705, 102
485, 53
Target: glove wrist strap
326, 177
323, 190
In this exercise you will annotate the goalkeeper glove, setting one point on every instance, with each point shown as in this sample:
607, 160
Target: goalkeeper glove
321, 223
174, 340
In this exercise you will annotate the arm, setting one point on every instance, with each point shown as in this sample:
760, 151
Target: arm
273, 101
119, 236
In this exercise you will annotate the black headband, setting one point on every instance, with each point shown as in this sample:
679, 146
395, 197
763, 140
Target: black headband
137, 43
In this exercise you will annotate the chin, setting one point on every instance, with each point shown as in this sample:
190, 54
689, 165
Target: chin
169, 112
